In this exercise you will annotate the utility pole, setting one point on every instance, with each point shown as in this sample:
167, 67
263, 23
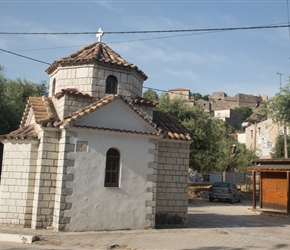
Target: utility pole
285, 128
280, 74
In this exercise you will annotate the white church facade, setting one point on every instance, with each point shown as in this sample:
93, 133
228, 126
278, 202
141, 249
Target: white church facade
93, 154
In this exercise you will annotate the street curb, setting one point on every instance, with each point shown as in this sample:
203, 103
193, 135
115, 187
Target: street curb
18, 238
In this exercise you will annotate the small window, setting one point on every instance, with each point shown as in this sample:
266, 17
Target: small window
112, 168
111, 85
251, 134
53, 87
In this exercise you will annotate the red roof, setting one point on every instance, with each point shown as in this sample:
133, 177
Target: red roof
45, 115
94, 53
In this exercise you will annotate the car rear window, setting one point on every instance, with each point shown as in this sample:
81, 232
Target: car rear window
221, 184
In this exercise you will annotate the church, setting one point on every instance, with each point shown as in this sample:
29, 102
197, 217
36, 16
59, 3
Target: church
94, 154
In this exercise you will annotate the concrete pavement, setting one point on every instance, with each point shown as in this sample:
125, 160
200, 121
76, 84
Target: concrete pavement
216, 225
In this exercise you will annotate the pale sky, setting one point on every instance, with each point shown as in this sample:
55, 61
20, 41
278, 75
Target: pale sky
241, 61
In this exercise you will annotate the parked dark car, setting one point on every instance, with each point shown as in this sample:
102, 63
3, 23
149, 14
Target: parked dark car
225, 191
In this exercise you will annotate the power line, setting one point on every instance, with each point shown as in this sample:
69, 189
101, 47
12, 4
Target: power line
30, 58
148, 31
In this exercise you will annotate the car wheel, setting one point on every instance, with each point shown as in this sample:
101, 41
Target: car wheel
233, 199
210, 199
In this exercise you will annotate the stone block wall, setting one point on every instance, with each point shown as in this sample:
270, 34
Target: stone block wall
68, 104
79, 77
91, 79
45, 180
64, 182
172, 188
17, 184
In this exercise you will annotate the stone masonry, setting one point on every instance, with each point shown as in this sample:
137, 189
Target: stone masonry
17, 185
172, 189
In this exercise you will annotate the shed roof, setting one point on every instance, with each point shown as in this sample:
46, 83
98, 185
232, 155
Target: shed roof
264, 165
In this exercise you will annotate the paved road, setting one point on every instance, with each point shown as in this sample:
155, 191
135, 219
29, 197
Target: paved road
215, 225
237, 218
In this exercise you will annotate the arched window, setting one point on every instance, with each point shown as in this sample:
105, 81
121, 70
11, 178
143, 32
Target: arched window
53, 87
111, 85
112, 168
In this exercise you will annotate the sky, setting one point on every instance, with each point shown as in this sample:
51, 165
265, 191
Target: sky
251, 61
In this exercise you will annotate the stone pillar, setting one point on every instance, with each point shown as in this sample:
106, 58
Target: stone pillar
172, 186
64, 182
45, 179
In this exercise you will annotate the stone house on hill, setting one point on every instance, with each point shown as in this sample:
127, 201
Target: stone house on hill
187, 96
93, 155
221, 100
229, 116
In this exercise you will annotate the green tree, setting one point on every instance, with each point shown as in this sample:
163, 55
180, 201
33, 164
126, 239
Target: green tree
278, 106
151, 95
13, 98
196, 96
278, 150
244, 111
206, 97
212, 145
259, 114
278, 109
177, 106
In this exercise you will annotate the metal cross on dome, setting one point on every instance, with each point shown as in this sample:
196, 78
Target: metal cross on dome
100, 34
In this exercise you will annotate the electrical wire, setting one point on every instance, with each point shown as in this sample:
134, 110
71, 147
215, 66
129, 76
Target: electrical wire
33, 59
30, 58
288, 18
148, 31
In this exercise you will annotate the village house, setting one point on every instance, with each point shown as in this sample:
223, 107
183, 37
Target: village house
261, 137
221, 100
229, 116
93, 155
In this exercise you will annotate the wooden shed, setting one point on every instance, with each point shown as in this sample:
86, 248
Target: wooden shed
274, 184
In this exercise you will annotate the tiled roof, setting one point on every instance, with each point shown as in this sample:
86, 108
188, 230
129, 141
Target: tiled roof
171, 128
178, 89
71, 91
144, 101
43, 110
90, 108
24, 133
45, 115
94, 53
162, 122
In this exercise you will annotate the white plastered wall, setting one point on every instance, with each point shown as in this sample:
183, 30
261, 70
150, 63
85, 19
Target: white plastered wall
95, 207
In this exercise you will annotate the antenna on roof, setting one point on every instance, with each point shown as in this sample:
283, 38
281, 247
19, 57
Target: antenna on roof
100, 34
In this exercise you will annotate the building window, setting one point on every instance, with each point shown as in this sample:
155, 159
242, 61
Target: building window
252, 134
111, 85
112, 168
53, 87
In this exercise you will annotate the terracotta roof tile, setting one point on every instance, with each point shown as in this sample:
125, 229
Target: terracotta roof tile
43, 110
162, 122
90, 108
144, 101
117, 130
171, 127
178, 89
46, 116
24, 133
94, 53
71, 91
